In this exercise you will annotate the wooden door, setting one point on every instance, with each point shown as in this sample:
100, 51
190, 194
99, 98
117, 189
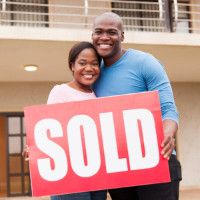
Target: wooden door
3, 160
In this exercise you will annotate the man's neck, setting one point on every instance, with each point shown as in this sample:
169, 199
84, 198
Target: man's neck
109, 61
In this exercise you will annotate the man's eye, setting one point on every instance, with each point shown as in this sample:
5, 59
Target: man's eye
112, 33
97, 32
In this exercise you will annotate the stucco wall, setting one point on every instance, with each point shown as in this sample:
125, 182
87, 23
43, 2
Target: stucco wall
14, 96
187, 96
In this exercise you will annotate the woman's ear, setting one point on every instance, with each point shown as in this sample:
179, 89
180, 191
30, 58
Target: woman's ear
72, 67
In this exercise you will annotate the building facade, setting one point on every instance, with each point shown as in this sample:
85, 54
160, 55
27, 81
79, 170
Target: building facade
41, 32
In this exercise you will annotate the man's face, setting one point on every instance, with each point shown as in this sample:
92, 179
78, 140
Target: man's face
107, 37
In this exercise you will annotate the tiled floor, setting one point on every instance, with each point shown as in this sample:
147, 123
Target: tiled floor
190, 195
184, 195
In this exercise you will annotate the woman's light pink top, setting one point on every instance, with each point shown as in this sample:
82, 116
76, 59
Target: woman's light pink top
64, 93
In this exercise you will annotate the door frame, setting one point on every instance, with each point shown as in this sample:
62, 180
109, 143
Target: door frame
22, 174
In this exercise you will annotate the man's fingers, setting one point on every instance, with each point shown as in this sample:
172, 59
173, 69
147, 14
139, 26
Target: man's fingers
165, 141
168, 145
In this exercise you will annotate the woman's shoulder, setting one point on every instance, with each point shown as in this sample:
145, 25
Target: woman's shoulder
57, 92
59, 86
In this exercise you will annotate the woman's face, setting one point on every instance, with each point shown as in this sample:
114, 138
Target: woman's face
86, 68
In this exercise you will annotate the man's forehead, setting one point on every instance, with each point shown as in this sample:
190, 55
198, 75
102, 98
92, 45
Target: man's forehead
111, 25
107, 22
106, 28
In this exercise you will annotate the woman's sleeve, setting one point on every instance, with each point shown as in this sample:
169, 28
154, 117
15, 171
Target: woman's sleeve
53, 96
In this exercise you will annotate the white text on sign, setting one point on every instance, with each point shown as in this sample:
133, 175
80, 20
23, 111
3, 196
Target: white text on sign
134, 161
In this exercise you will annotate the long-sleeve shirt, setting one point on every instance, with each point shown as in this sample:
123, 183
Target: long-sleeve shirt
135, 72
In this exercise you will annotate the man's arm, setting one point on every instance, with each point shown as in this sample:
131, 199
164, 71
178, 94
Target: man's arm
170, 128
157, 79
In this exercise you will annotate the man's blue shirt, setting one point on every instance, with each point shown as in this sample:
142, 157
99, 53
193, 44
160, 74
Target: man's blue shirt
135, 72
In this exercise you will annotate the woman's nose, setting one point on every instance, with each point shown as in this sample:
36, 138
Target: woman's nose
88, 67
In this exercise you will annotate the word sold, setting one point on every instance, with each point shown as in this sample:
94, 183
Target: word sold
139, 130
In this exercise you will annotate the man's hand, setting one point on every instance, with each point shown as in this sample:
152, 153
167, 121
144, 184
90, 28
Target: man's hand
170, 128
168, 146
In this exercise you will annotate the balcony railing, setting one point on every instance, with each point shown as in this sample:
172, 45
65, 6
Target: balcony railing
154, 15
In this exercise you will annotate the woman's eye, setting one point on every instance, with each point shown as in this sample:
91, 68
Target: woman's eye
82, 64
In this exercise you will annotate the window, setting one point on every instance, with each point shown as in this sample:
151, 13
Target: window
18, 181
139, 15
149, 15
182, 23
25, 13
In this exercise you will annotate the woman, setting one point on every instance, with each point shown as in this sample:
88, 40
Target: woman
84, 63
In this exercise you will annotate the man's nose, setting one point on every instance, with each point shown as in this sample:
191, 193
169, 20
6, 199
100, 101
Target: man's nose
105, 36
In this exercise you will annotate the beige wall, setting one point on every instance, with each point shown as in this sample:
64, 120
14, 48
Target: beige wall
14, 96
101, 6
187, 97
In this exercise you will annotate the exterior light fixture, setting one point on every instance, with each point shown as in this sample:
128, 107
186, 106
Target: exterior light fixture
30, 68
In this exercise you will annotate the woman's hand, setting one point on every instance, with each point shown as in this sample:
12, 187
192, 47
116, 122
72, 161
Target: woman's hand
25, 153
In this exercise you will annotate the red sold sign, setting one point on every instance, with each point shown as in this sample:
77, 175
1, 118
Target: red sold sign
96, 144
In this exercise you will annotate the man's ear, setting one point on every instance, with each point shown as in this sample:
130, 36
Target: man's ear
92, 35
122, 36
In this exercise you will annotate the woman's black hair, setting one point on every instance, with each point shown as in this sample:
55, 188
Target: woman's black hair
77, 49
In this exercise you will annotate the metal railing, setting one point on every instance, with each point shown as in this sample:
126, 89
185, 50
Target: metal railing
186, 18
156, 16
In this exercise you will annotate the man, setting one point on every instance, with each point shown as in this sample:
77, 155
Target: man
131, 71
